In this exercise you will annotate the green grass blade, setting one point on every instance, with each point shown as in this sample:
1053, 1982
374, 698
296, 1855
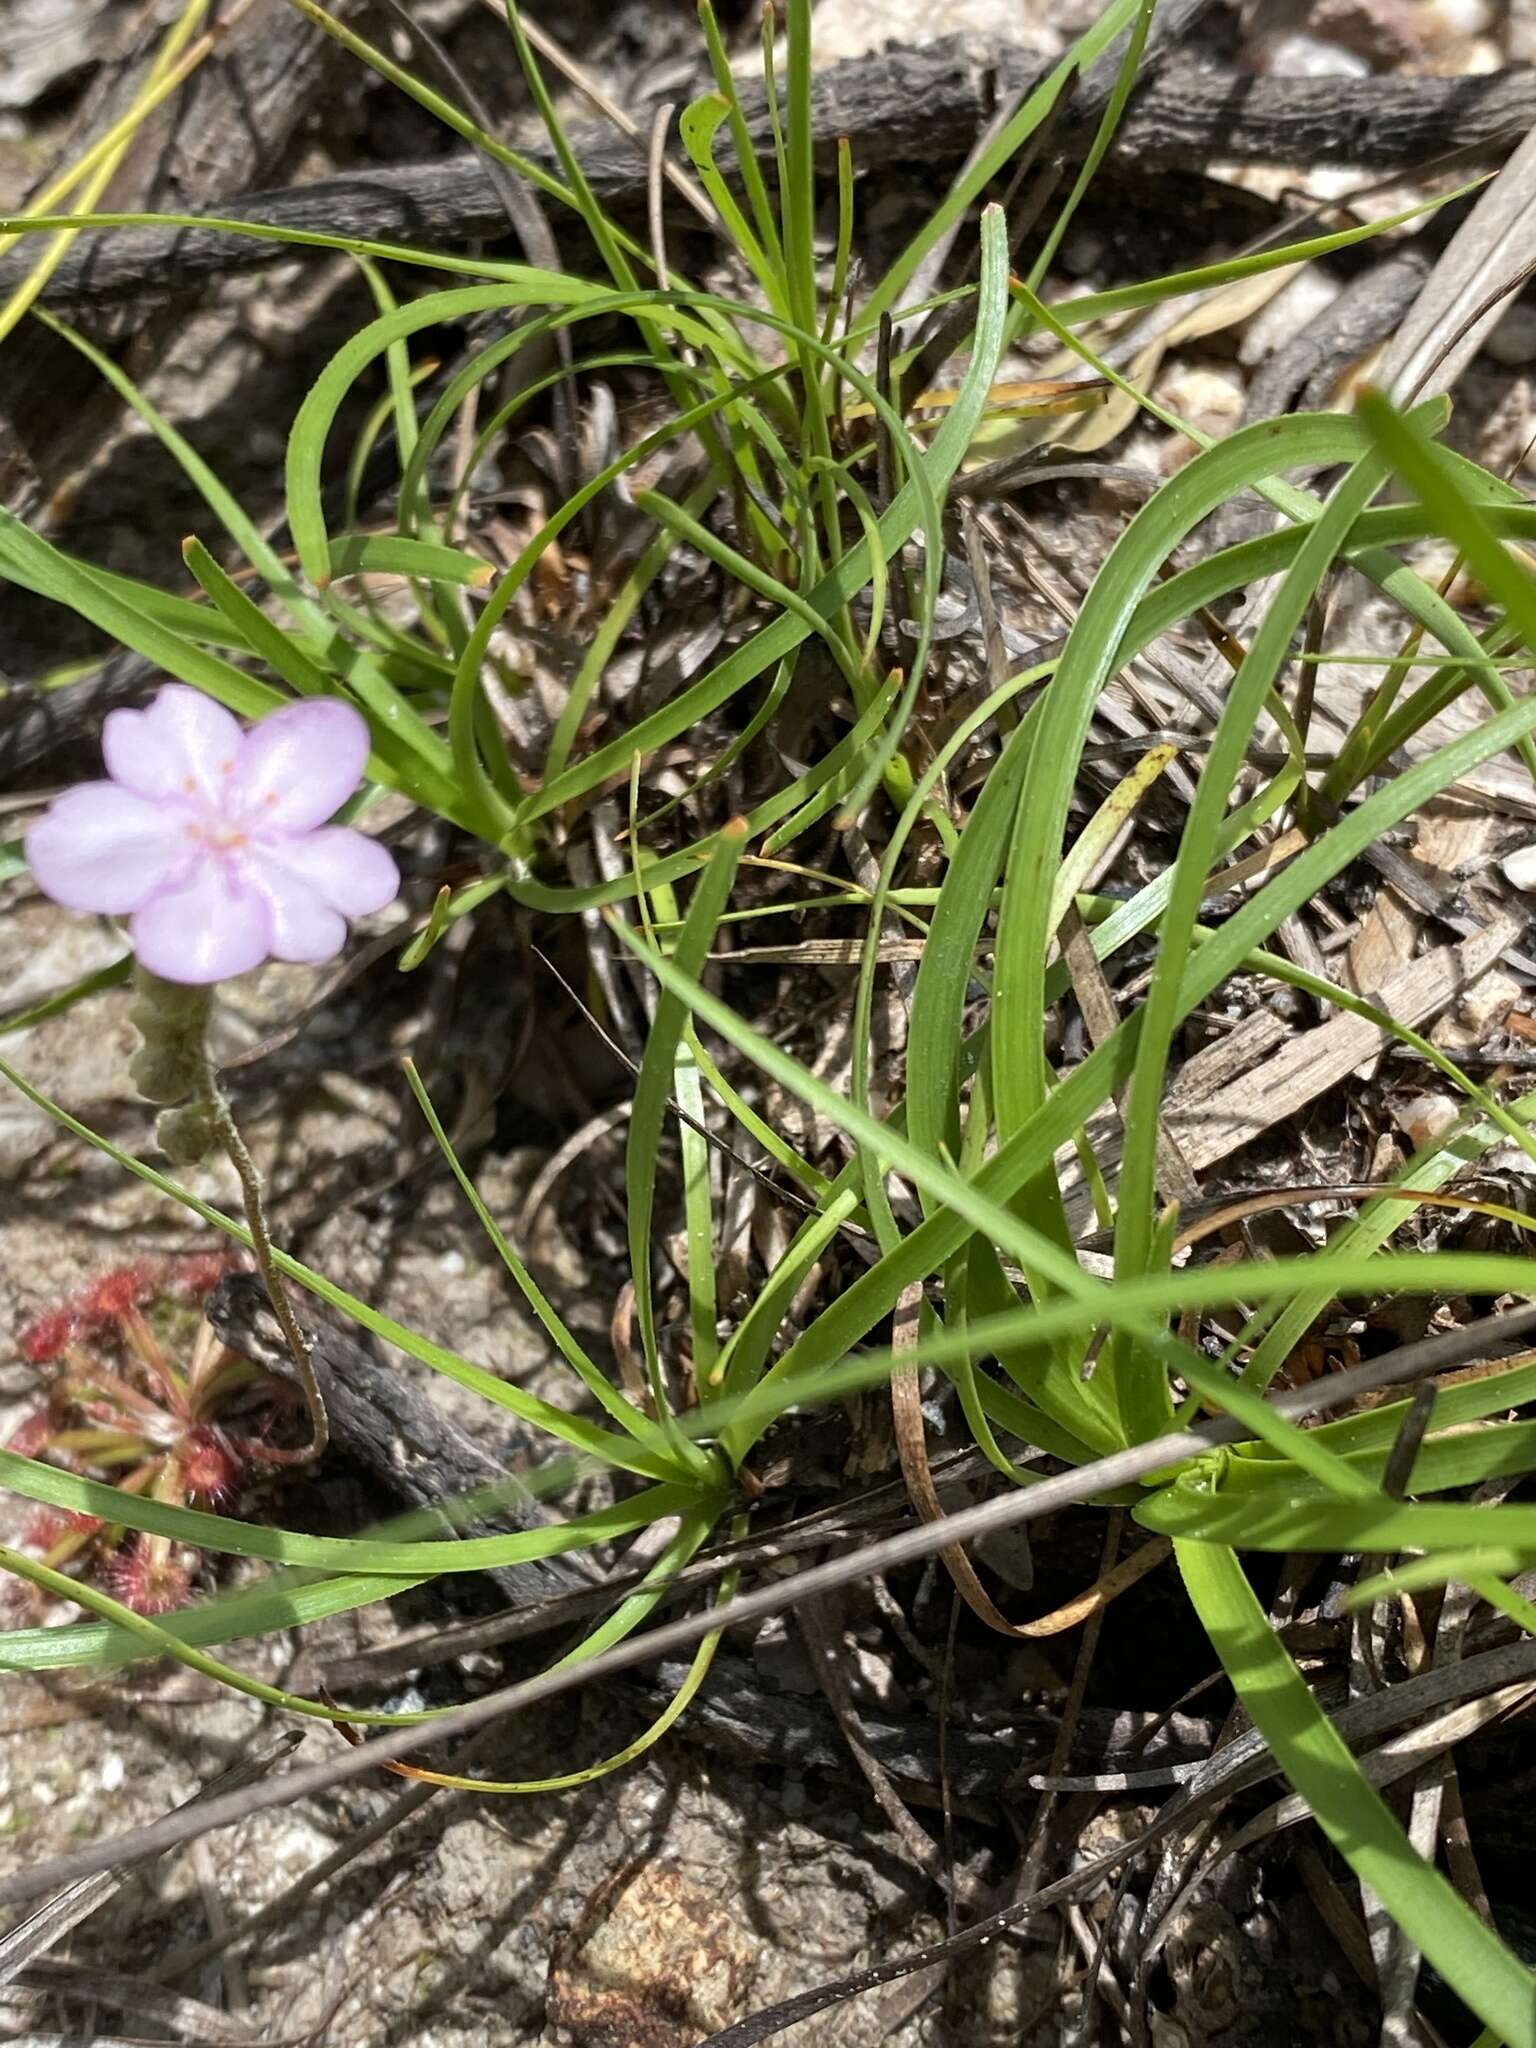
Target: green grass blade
1403, 443
977, 175
337, 1554
591, 1375
578, 1431
1098, 149
1031, 1148
653, 1088
1347, 1808
1145, 1405
233, 1617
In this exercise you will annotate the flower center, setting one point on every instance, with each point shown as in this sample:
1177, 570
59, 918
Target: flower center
216, 834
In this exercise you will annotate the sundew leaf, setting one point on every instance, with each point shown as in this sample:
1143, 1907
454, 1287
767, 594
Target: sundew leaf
576, 1430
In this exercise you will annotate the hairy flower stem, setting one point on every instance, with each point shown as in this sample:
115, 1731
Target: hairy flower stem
175, 1067
227, 1132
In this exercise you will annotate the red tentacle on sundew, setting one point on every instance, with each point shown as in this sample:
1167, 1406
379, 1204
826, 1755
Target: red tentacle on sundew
150, 1575
31, 1434
111, 1297
210, 1467
136, 1396
42, 1341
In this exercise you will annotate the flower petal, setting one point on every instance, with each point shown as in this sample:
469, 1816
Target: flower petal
177, 746
346, 870
215, 924
299, 766
303, 926
102, 848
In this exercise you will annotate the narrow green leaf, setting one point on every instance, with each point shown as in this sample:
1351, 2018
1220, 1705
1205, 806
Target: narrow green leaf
1349, 1810
222, 1533
392, 554
653, 1086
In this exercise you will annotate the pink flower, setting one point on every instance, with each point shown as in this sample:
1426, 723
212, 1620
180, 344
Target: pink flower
212, 842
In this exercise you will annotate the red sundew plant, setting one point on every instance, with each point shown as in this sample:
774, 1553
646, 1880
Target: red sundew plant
121, 1407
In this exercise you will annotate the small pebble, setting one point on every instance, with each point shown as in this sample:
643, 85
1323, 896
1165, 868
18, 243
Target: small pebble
1520, 869
112, 1773
1423, 1117
1449, 21
855, 28
1513, 341
1208, 395
1385, 32
1082, 253
1289, 313
1298, 55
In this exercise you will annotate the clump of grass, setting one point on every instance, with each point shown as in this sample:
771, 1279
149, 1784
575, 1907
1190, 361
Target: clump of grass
815, 497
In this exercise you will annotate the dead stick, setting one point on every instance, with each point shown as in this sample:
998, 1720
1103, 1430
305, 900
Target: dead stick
902, 105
